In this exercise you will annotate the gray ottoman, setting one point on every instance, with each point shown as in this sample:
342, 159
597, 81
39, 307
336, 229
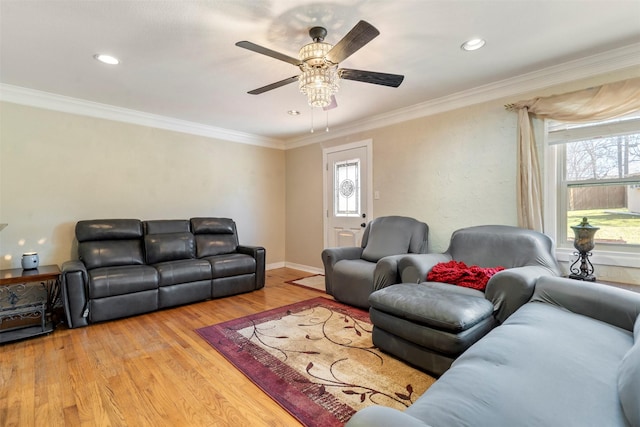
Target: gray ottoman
429, 326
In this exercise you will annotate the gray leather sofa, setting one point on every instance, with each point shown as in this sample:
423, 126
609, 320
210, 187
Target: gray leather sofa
352, 273
429, 324
568, 357
128, 267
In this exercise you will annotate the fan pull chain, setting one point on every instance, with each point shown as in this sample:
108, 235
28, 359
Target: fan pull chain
311, 119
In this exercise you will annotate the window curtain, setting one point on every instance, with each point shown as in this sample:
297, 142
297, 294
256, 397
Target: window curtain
598, 103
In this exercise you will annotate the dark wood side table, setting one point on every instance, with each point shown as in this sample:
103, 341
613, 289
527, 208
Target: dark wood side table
27, 296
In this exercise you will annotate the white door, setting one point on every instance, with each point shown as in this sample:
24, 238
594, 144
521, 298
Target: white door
347, 186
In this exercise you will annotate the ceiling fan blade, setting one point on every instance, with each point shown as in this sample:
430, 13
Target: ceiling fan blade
273, 85
268, 52
359, 36
384, 79
333, 104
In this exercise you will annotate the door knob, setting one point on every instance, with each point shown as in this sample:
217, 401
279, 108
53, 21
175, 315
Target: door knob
363, 225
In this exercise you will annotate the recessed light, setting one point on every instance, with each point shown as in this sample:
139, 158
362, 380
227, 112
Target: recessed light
106, 59
473, 44
293, 112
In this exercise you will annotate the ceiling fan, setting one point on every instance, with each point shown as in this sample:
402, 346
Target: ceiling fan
318, 61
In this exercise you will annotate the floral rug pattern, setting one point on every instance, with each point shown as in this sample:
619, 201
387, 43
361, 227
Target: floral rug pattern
317, 360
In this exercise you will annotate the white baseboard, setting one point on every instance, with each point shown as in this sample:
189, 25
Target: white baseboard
301, 267
308, 269
274, 265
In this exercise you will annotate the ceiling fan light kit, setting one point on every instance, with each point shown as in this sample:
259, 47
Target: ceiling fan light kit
318, 62
319, 79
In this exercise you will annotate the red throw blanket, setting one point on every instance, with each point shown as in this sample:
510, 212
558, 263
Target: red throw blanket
458, 273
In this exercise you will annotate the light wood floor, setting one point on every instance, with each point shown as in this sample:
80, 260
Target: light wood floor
147, 370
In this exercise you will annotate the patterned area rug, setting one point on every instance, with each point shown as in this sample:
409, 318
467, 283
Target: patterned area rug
314, 282
316, 359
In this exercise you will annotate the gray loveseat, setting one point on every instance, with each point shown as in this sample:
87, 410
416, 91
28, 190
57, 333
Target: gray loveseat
568, 357
128, 267
430, 323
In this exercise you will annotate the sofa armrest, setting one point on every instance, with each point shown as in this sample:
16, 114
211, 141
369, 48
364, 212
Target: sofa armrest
618, 307
259, 254
414, 268
509, 289
75, 297
331, 256
382, 416
386, 272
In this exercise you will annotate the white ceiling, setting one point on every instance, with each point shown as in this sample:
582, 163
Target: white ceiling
179, 59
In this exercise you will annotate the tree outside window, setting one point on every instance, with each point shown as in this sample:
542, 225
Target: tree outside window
602, 182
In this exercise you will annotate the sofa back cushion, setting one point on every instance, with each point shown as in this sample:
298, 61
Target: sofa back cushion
110, 242
214, 236
629, 380
501, 245
168, 240
169, 247
161, 226
393, 235
108, 229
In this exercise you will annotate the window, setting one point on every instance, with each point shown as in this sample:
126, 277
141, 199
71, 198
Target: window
347, 188
597, 176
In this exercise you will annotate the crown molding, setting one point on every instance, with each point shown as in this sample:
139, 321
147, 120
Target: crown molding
613, 60
51, 101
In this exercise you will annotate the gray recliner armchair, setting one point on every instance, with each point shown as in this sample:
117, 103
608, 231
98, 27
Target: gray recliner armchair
429, 323
353, 273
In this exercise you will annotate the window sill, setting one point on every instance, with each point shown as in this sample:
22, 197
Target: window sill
609, 258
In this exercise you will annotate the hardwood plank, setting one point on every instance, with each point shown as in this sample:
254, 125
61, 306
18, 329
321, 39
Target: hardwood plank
147, 370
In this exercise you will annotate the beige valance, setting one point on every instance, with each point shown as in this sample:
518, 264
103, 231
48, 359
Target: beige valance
597, 103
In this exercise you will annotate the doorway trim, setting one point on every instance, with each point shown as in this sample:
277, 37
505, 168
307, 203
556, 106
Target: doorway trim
368, 144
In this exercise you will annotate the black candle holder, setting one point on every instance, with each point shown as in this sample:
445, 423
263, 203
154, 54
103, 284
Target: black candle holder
585, 270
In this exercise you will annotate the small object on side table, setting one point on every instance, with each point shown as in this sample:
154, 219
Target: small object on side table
584, 243
30, 260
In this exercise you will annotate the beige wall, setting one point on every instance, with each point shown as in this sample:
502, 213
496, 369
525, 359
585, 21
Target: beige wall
304, 206
451, 170
57, 168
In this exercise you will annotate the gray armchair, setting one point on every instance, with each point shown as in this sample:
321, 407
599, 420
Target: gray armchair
429, 324
525, 254
353, 273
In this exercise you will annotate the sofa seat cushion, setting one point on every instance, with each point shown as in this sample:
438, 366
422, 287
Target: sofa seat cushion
183, 271
433, 307
228, 265
544, 366
127, 279
354, 269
